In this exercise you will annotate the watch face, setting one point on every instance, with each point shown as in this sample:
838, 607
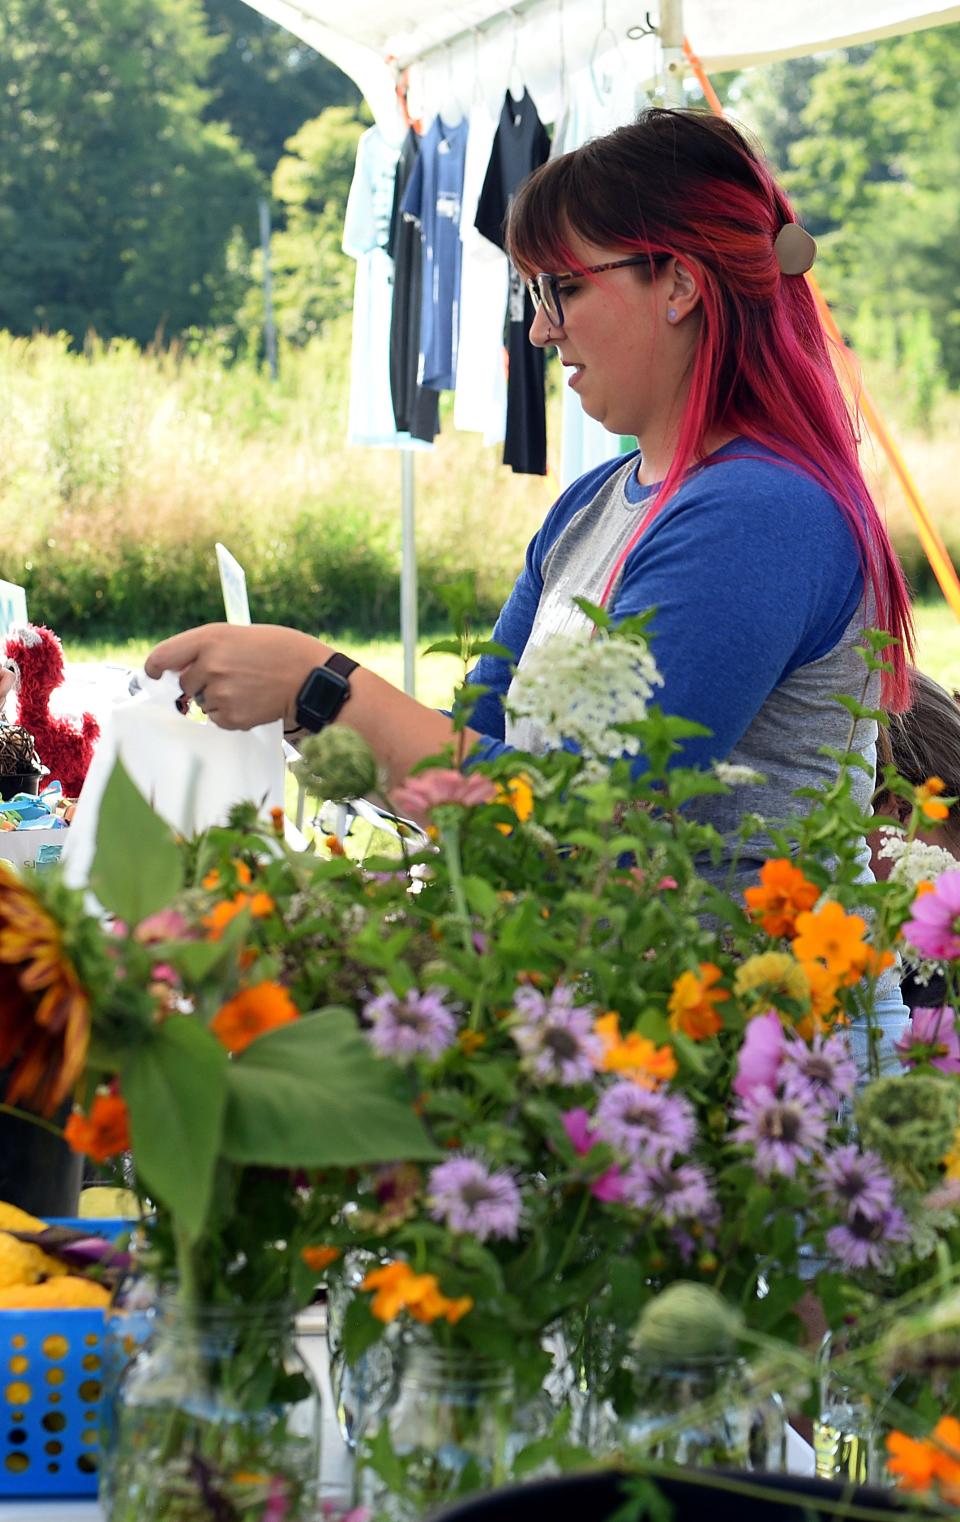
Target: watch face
321, 698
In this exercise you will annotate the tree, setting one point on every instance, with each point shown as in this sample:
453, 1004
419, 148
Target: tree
118, 201
264, 82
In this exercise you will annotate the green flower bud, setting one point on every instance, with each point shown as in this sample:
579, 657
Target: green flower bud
337, 764
686, 1321
910, 1120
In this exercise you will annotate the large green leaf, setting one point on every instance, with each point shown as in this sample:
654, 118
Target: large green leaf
137, 868
175, 1086
313, 1095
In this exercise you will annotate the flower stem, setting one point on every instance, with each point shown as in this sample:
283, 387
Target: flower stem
450, 838
34, 1120
574, 1236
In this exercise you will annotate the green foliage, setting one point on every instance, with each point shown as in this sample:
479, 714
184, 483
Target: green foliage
117, 200
294, 1099
264, 82
117, 876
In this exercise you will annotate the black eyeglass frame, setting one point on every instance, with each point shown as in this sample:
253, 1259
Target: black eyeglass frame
545, 290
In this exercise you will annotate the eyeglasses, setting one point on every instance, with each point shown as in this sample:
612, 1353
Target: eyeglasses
545, 289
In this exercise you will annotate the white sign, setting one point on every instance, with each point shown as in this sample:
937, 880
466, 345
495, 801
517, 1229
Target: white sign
13, 607
233, 581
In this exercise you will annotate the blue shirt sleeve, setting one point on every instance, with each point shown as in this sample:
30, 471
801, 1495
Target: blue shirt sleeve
753, 572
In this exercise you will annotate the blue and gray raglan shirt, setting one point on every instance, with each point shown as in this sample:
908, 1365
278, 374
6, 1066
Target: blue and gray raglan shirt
757, 585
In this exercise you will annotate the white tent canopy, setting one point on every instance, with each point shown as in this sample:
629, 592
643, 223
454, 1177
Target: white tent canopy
454, 50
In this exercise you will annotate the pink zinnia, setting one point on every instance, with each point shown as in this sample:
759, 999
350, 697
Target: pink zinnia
760, 1055
165, 925
609, 1186
419, 795
933, 929
931, 1037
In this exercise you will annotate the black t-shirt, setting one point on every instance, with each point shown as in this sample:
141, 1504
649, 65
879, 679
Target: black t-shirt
414, 407
521, 145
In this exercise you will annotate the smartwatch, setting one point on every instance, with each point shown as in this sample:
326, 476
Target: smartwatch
324, 693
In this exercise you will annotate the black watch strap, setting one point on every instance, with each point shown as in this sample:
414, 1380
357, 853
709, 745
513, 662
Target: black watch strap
324, 693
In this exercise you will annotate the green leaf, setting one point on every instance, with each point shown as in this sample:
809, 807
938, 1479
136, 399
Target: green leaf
137, 867
313, 1095
175, 1088
445, 647
361, 1329
481, 896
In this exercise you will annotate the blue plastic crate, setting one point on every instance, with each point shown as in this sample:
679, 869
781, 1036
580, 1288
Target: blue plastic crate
51, 1364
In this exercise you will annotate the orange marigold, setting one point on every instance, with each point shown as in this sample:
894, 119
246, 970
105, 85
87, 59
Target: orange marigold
927, 800
103, 1133
783, 893
692, 1003
44, 1011
251, 1013
633, 1055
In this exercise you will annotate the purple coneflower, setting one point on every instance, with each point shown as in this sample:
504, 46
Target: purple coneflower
645, 1122
671, 1194
825, 1065
579, 1128
414, 1026
782, 1130
857, 1181
556, 1036
862, 1241
936, 1030
933, 928
467, 1197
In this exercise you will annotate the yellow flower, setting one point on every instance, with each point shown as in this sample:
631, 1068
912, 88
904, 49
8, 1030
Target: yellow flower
518, 796
44, 1012
770, 978
951, 1161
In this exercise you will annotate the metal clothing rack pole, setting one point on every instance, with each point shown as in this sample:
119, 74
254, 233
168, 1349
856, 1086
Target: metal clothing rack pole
408, 571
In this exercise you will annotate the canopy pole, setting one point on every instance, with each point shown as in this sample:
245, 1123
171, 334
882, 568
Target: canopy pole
408, 572
670, 33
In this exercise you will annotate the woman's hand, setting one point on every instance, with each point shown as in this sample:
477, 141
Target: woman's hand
242, 675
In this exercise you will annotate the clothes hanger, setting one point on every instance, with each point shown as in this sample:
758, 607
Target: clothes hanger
451, 111
603, 82
516, 88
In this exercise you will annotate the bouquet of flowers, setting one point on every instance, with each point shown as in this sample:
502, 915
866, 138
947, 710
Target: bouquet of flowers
558, 1115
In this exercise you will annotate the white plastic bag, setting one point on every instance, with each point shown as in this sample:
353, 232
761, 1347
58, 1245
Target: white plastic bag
190, 772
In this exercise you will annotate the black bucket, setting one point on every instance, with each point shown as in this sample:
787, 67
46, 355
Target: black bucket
38, 1171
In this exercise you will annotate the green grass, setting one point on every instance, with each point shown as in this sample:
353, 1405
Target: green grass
938, 651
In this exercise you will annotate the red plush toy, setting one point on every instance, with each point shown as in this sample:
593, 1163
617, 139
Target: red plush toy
61, 747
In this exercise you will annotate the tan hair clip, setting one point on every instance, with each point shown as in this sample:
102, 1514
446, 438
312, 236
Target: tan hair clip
794, 248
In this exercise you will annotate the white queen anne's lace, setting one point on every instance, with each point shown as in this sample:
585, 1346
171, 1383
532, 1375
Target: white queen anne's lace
736, 776
914, 861
576, 688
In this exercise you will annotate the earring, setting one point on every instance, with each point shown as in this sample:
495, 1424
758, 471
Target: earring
671, 314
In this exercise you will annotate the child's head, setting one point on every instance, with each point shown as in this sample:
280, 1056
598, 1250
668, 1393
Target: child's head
923, 742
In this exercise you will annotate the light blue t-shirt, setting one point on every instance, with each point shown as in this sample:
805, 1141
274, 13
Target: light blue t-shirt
433, 198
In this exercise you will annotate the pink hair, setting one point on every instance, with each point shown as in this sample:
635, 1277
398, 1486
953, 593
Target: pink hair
689, 186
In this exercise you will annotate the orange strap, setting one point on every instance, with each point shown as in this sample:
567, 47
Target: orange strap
927, 532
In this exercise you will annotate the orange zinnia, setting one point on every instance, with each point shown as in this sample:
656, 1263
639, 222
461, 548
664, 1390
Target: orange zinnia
926, 799
398, 1289
784, 893
692, 1004
103, 1133
633, 1055
319, 1258
251, 1013
216, 922
242, 873
835, 938
44, 1011
918, 1464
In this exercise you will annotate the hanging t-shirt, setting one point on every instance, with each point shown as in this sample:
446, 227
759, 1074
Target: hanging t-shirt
520, 146
415, 407
366, 228
598, 99
432, 199
480, 404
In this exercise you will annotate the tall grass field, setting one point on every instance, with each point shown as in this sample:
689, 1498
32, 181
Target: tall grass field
120, 468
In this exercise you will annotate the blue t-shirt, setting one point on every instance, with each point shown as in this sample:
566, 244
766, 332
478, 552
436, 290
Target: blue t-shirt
432, 198
751, 567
